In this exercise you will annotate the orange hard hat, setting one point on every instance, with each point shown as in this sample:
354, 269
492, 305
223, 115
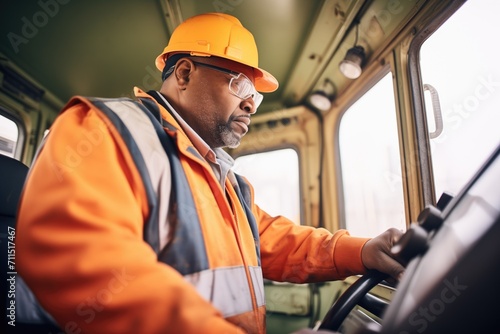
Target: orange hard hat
220, 35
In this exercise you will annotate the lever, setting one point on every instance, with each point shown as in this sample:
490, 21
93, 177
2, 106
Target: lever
413, 243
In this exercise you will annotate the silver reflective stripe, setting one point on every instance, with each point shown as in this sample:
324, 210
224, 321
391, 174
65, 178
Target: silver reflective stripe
228, 290
153, 154
258, 284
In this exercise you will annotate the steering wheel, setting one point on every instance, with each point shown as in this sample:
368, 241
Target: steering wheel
412, 243
350, 298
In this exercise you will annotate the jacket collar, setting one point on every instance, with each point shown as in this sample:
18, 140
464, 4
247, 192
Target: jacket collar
220, 161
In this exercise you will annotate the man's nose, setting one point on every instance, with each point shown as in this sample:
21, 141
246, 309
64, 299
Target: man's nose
248, 105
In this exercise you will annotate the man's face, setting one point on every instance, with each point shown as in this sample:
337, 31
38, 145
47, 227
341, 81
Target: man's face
216, 114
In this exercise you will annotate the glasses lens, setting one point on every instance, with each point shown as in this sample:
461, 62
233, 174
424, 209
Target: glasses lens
258, 99
239, 84
242, 87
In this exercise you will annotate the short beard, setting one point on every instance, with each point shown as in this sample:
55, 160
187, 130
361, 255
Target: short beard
227, 137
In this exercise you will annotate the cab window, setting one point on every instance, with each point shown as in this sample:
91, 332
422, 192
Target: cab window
10, 135
370, 163
275, 178
461, 78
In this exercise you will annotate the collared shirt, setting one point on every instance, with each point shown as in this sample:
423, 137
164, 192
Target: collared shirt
220, 161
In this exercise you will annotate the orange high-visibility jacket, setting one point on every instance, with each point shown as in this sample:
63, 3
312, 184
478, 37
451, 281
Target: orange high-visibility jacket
88, 208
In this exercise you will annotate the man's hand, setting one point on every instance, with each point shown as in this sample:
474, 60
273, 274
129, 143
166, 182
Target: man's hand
376, 253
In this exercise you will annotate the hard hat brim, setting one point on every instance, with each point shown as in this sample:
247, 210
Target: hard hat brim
265, 82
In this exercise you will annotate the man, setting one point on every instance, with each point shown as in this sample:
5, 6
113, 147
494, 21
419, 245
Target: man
129, 226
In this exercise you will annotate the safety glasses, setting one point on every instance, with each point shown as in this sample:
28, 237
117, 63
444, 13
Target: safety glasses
239, 85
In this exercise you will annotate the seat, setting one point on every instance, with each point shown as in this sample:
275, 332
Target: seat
12, 176
12, 179
27, 315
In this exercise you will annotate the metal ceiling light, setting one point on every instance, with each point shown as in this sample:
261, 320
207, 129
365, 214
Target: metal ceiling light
322, 98
352, 64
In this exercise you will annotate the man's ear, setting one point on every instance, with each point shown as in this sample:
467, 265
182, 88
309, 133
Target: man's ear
182, 72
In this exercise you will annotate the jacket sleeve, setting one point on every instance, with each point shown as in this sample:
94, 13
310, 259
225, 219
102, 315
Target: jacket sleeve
299, 254
79, 239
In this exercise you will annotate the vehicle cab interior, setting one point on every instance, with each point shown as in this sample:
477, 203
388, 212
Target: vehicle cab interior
386, 116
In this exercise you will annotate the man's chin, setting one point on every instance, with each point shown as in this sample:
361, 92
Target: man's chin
233, 145
231, 140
